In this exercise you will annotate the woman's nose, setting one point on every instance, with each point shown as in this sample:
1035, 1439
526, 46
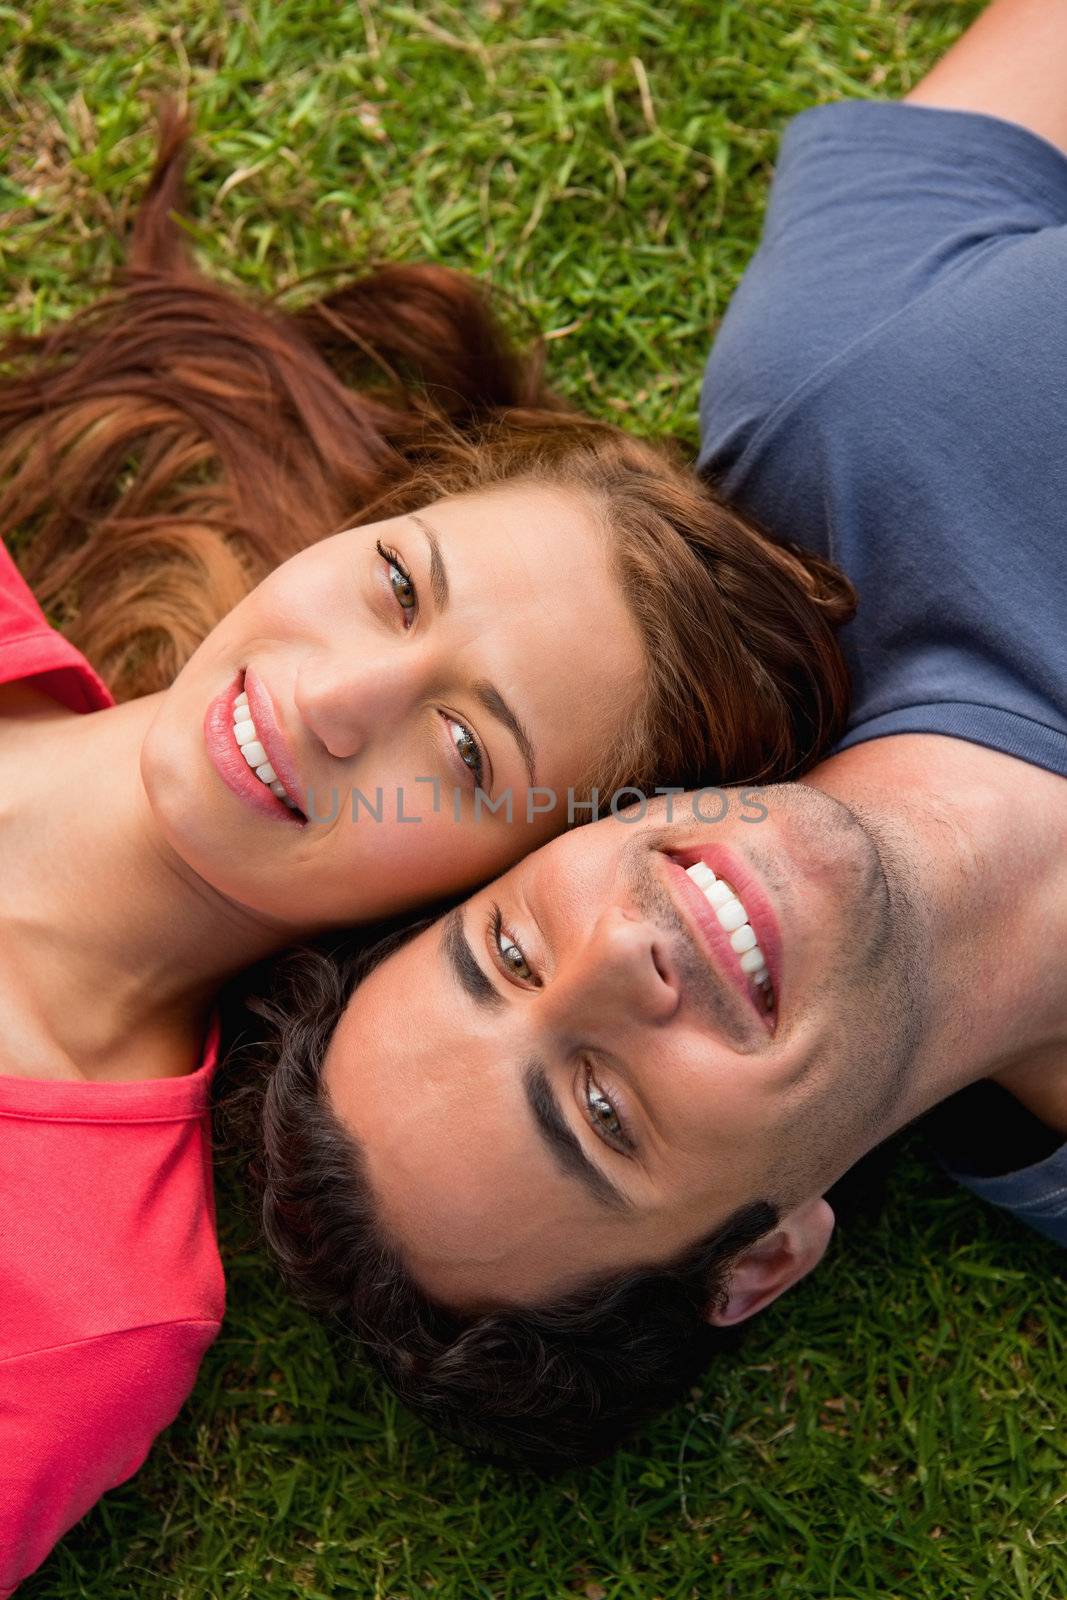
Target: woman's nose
619, 973
348, 702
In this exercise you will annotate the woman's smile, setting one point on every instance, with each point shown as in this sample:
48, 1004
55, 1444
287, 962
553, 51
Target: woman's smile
240, 757
251, 746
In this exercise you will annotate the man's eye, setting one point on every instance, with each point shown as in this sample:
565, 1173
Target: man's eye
515, 961
402, 583
604, 1117
511, 954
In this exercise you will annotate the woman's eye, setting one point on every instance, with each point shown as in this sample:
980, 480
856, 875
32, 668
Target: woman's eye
468, 748
511, 955
401, 582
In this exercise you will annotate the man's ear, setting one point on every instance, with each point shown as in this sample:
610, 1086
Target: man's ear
774, 1263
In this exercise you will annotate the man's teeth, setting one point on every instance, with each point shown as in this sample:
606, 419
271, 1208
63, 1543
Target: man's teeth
733, 918
244, 731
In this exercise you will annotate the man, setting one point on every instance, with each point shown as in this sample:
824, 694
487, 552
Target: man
596, 1109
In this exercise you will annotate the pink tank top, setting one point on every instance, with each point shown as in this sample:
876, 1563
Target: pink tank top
111, 1286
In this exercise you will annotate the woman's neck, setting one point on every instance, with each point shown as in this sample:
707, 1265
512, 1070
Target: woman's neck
111, 949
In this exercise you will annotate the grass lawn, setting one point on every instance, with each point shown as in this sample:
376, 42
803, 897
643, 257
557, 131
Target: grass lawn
892, 1429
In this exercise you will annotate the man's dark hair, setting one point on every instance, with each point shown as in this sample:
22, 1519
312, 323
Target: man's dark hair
544, 1385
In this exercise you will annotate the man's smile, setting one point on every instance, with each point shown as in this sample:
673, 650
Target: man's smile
739, 936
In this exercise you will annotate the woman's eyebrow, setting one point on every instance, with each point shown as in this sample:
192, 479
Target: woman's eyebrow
498, 707
438, 571
487, 693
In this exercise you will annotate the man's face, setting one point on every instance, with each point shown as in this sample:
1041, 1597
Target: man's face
573, 1073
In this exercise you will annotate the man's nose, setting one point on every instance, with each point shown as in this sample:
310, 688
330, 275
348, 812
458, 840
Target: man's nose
619, 973
350, 701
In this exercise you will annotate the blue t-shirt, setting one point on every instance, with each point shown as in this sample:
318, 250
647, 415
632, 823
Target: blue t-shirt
889, 387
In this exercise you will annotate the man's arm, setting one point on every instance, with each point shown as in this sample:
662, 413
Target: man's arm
1011, 63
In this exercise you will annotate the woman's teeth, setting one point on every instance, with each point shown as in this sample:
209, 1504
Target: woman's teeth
244, 731
733, 918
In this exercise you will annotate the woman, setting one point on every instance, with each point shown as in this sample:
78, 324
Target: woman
520, 602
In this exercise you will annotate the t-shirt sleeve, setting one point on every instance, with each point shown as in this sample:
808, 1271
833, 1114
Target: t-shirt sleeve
873, 205
1035, 1195
1002, 1152
79, 1420
34, 652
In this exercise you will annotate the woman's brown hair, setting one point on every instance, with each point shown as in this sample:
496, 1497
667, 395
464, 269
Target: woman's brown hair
163, 450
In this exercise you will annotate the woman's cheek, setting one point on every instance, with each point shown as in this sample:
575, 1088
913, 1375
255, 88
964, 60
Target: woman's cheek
312, 596
411, 857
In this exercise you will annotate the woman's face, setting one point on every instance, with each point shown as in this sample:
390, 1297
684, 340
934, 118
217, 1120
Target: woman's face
391, 673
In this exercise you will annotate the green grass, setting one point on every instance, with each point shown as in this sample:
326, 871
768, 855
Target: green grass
894, 1430
891, 1430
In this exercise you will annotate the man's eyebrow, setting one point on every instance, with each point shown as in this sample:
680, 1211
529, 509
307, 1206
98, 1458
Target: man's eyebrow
438, 574
565, 1146
465, 968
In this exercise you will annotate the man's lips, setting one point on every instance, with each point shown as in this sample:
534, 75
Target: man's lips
717, 940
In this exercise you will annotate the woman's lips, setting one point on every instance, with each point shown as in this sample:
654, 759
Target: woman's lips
231, 765
272, 735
